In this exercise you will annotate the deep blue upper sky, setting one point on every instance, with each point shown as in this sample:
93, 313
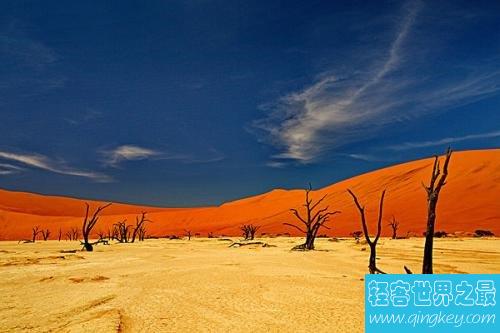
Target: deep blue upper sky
196, 102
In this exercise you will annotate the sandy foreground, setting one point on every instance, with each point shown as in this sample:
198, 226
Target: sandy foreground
203, 285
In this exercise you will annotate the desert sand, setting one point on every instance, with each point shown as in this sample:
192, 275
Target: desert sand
468, 202
203, 285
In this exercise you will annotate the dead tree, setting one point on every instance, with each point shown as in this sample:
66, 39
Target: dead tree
139, 223
34, 232
122, 231
142, 233
312, 221
372, 265
188, 234
73, 234
394, 224
89, 223
437, 181
45, 234
249, 231
59, 235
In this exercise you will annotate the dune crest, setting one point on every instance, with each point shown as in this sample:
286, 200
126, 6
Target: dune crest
468, 202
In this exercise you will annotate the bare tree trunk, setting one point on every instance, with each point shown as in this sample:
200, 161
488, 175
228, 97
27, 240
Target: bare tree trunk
433, 191
309, 244
35, 231
429, 238
372, 263
142, 233
88, 247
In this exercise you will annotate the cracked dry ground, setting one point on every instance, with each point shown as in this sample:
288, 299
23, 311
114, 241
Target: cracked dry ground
203, 285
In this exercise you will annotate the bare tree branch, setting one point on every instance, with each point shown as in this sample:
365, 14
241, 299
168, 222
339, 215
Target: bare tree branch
296, 227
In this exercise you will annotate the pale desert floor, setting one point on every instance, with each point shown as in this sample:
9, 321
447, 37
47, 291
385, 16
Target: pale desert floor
202, 285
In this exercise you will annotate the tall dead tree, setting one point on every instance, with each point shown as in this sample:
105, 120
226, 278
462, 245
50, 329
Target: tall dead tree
437, 181
89, 224
139, 223
249, 231
372, 265
60, 235
45, 234
313, 220
34, 233
188, 234
394, 224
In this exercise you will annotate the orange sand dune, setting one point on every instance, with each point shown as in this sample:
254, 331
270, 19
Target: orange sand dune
469, 201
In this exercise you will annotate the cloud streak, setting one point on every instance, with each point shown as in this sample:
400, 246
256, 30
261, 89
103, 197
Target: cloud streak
44, 163
9, 169
114, 157
338, 109
444, 141
128, 153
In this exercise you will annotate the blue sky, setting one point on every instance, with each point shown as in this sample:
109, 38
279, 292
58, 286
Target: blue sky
197, 102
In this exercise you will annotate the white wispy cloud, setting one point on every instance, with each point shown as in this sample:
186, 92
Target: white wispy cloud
339, 109
128, 153
444, 141
113, 157
8, 169
276, 164
365, 157
45, 163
